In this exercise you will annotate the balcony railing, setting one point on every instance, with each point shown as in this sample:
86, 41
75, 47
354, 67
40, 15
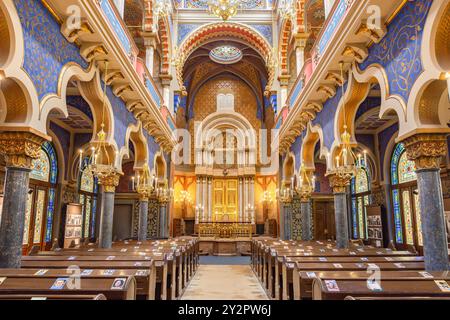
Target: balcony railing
129, 46
321, 45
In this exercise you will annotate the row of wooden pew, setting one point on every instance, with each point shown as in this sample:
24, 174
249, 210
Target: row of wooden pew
153, 270
296, 270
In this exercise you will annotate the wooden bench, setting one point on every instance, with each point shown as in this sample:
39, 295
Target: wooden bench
391, 288
115, 268
41, 286
52, 297
303, 281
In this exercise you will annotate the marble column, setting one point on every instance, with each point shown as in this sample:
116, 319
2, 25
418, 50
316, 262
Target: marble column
210, 196
305, 207
339, 185
163, 225
282, 221
143, 218
240, 201
18, 149
287, 221
426, 151
252, 199
109, 183
246, 201
198, 200
205, 201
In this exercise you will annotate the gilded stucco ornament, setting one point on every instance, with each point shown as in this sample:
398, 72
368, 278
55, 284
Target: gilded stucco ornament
109, 181
426, 150
20, 148
339, 183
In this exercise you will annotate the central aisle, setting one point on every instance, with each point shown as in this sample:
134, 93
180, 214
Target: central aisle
224, 282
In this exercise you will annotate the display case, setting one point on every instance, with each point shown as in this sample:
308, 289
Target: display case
74, 225
374, 226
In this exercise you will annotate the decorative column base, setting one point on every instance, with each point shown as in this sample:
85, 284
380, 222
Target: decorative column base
426, 151
19, 149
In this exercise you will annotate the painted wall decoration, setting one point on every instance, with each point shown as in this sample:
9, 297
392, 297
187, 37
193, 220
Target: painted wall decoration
122, 117
46, 49
399, 52
184, 29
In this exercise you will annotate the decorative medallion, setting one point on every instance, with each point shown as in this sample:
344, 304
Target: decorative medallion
226, 54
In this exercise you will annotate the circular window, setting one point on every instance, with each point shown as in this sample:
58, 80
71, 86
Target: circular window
225, 54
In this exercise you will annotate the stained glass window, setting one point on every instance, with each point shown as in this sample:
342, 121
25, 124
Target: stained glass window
359, 186
418, 219
26, 229
50, 211
402, 171
40, 167
226, 54
39, 216
87, 181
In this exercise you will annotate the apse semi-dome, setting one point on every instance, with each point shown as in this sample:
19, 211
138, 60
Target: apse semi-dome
225, 54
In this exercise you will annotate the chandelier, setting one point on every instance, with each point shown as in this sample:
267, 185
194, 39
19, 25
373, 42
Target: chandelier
347, 162
285, 194
164, 193
306, 184
144, 184
99, 161
224, 9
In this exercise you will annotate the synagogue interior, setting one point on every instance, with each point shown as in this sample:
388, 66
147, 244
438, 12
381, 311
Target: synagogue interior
224, 149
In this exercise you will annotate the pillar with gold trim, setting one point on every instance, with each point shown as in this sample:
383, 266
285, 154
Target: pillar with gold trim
339, 185
19, 149
109, 183
427, 150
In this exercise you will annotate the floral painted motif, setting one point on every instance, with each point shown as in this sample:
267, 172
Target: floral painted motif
399, 51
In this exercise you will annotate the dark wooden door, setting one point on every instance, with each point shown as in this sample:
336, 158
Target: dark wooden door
324, 223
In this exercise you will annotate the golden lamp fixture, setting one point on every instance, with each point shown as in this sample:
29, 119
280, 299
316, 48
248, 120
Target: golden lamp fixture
224, 9
347, 162
100, 161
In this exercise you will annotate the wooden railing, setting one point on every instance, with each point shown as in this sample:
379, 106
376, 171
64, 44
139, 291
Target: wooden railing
225, 230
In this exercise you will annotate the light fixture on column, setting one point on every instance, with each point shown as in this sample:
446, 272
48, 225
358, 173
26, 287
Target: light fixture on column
224, 9
144, 183
285, 194
100, 162
164, 193
346, 162
306, 184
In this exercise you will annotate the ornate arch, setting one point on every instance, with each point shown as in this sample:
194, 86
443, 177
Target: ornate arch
160, 166
136, 136
165, 39
288, 167
283, 47
18, 94
214, 31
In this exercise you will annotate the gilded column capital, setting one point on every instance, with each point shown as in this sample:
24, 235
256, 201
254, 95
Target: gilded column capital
426, 150
110, 181
339, 183
20, 148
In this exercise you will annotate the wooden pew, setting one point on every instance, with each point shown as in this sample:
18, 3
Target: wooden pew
303, 281
113, 267
144, 279
52, 297
287, 288
41, 286
391, 288
160, 267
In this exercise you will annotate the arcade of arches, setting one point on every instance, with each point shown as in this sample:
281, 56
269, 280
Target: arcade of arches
292, 122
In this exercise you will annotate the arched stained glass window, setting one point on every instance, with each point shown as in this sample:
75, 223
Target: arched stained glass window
40, 167
405, 198
38, 221
360, 188
88, 199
